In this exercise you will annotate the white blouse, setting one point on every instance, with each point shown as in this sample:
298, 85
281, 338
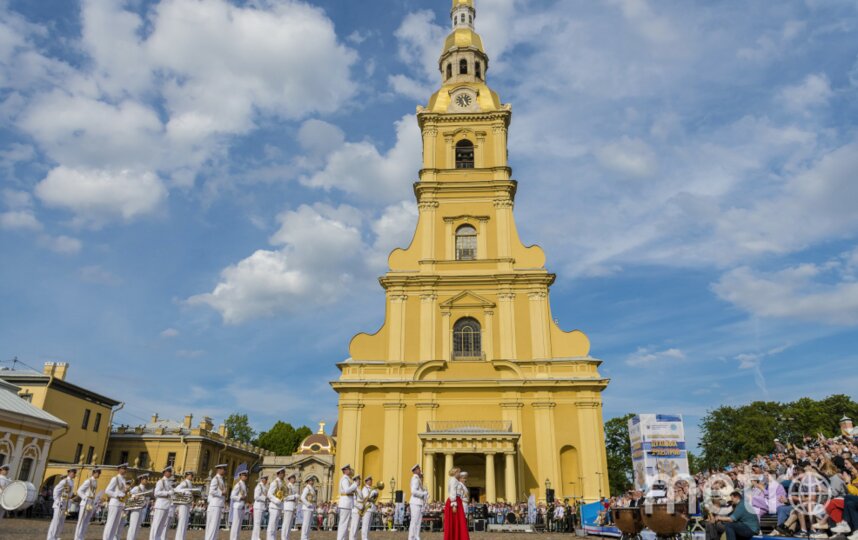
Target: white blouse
452, 489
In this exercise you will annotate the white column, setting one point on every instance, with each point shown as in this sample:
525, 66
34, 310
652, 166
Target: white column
429, 474
448, 464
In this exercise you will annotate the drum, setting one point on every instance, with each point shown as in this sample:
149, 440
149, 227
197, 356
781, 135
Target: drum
664, 521
18, 496
628, 520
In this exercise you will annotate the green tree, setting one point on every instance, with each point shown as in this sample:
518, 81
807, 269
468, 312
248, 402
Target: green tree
734, 434
619, 453
238, 427
282, 438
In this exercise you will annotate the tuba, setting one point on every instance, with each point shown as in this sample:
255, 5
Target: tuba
367, 503
138, 501
280, 492
185, 498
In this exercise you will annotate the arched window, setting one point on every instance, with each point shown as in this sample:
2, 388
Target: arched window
463, 67
466, 243
478, 70
464, 154
449, 70
467, 342
463, 17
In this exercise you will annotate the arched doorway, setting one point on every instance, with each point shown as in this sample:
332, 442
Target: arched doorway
569, 475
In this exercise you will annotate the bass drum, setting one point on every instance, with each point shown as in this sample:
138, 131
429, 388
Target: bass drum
18, 496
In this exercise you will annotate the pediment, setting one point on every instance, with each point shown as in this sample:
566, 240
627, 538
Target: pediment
467, 299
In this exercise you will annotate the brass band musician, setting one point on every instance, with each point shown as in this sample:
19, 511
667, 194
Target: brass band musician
87, 491
62, 496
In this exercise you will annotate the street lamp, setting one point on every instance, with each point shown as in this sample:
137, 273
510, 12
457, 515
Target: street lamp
392, 489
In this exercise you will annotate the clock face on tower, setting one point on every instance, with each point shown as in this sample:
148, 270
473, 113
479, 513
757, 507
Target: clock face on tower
463, 100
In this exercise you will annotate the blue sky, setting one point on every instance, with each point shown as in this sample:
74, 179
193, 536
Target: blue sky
198, 195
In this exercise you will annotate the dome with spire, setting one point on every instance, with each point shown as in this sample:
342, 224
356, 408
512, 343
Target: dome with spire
318, 443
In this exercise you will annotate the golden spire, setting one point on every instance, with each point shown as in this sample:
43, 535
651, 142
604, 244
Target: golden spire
468, 3
321, 428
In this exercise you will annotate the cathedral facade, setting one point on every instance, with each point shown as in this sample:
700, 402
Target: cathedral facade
469, 368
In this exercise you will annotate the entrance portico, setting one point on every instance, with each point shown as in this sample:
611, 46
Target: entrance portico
468, 444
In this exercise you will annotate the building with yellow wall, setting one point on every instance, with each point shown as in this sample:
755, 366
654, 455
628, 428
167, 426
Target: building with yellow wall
88, 414
26, 433
186, 447
469, 367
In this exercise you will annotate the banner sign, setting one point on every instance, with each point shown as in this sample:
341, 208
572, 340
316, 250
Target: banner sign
658, 447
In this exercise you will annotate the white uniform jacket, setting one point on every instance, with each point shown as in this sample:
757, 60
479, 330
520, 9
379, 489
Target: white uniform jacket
260, 495
65, 483
116, 489
87, 490
217, 492
163, 494
185, 487
308, 493
418, 494
347, 493
273, 502
239, 492
291, 500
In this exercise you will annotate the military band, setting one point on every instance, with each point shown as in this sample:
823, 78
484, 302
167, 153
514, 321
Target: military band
281, 497
308, 502
86, 492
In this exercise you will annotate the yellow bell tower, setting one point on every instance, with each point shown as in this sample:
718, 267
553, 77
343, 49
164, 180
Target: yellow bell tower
469, 368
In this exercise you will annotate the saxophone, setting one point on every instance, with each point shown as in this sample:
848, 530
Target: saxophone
65, 496
367, 503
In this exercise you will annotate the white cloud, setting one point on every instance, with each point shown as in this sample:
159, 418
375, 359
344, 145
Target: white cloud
19, 219
360, 169
169, 333
807, 292
64, 245
97, 195
813, 91
99, 276
649, 355
321, 258
628, 156
409, 87
652, 26
215, 68
320, 138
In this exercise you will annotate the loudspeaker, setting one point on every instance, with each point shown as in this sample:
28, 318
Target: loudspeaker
399, 496
480, 525
549, 495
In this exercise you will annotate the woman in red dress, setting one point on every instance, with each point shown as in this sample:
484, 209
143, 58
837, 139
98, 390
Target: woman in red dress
455, 520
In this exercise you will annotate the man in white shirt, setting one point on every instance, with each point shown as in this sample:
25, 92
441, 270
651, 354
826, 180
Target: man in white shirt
136, 517
308, 506
276, 494
356, 514
346, 502
62, 495
237, 498
163, 499
4, 481
185, 487
116, 490
260, 502
290, 503
368, 495
216, 498
418, 499
87, 490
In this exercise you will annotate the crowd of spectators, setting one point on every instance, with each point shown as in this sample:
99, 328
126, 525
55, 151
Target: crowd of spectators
808, 489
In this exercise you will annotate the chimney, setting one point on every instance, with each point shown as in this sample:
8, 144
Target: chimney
154, 418
206, 423
222, 430
58, 370
62, 369
189, 420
